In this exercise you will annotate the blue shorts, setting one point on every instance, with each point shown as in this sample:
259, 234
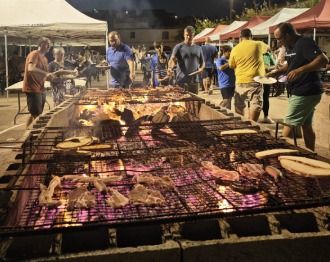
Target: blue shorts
35, 103
227, 92
301, 109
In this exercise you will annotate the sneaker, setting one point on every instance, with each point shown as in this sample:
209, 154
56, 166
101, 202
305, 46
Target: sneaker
268, 120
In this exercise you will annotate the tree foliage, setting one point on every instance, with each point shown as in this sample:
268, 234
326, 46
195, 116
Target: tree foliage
201, 24
265, 10
310, 3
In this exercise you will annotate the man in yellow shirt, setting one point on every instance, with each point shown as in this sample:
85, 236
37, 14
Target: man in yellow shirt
246, 58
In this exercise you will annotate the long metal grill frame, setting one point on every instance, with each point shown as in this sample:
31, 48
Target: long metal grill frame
175, 150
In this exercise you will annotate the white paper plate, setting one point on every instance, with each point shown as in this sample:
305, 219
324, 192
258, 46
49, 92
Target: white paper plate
265, 80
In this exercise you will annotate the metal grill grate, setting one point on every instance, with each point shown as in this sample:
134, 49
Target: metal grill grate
176, 151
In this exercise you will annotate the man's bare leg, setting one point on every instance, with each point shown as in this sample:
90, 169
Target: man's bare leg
286, 131
240, 112
206, 85
29, 120
309, 136
210, 85
254, 115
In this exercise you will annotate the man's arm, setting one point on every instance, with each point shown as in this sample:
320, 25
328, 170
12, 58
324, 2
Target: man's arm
278, 72
131, 66
320, 61
172, 63
33, 69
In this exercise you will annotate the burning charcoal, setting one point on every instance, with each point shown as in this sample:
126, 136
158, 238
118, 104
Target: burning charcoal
134, 128
127, 116
160, 118
86, 114
108, 129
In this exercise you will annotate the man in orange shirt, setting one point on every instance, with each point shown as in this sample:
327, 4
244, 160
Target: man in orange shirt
35, 75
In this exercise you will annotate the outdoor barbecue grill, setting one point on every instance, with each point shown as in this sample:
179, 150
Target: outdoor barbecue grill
171, 153
174, 149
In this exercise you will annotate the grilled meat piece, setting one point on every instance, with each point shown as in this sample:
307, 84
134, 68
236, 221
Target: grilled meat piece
217, 172
116, 200
100, 186
251, 170
80, 197
84, 179
244, 187
274, 172
143, 196
162, 182
46, 195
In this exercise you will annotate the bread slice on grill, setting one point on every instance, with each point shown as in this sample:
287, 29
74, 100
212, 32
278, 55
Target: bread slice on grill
305, 166
307, 161
276, 152
238, 132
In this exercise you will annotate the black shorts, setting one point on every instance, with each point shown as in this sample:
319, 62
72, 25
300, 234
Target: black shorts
207, 72
227, 92
35, 103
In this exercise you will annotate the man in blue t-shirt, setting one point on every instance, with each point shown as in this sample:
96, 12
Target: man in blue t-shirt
189, 60
226, 77
304, 61
209, 52
121, 60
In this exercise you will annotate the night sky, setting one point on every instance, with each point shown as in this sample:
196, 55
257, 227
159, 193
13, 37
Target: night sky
198, 8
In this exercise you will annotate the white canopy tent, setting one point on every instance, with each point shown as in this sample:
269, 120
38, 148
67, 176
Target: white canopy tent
27, 20
204, 32
22, 22
234, 25
282, 16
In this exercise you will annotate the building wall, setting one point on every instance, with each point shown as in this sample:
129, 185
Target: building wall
321, 121
147, 36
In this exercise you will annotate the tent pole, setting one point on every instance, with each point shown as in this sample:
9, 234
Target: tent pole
269, 39
314, 34
107, 72
6, 61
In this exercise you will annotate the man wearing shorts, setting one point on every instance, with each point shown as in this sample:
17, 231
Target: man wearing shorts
247, 60
35, 75
304, 60
226, 77
209, 52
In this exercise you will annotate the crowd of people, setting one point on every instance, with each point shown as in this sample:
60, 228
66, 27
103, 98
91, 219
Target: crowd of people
296, 60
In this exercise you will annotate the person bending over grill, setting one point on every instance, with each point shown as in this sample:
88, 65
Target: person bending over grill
189, 60
121, 60
305, 59
35, 75
247, 60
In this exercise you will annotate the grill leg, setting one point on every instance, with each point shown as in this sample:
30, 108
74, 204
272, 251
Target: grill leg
293, 128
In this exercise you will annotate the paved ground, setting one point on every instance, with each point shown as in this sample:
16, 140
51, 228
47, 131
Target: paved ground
12, 135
